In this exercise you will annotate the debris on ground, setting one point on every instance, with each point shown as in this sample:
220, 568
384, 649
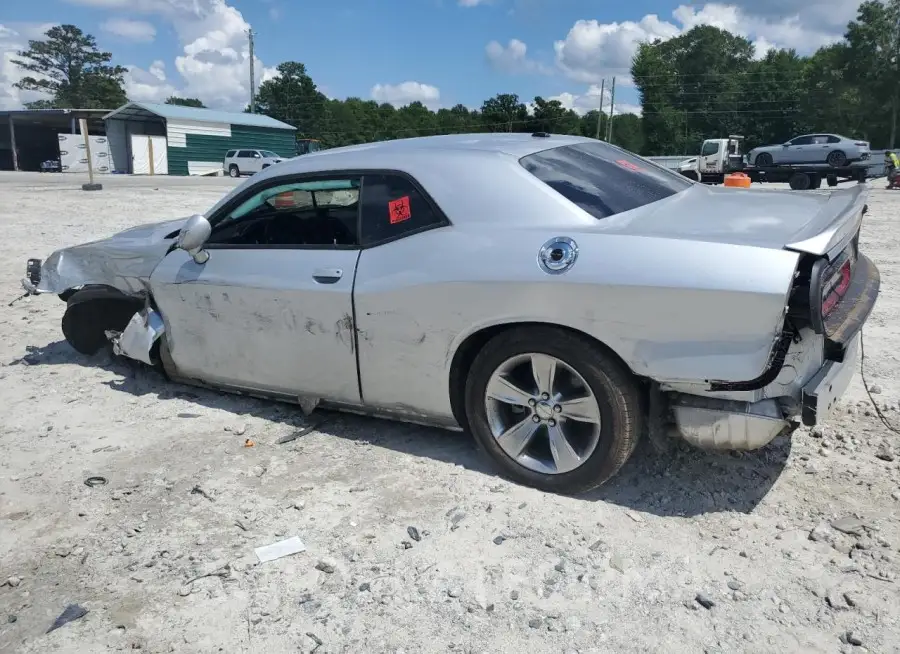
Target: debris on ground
71, 613
292, 545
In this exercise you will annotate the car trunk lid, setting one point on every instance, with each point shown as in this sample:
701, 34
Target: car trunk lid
811, 223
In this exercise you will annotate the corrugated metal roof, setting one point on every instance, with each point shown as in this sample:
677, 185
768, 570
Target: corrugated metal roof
178, 112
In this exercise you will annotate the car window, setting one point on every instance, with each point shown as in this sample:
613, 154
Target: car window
802, 140
318, 213
834, 139
245, 154
602, 179
268, 154
709, 147
229, 154
392, 207
820, 139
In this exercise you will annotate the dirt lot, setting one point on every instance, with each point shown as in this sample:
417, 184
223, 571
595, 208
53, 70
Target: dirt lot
495, 567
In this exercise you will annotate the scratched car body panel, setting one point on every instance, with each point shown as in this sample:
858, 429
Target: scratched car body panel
707, 296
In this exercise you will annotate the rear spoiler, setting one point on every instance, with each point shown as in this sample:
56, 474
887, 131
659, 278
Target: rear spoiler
835, 224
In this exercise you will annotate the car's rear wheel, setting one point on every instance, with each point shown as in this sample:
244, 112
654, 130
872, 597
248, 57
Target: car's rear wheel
553, 409
836, 159
764, 159
90, 313
234, 171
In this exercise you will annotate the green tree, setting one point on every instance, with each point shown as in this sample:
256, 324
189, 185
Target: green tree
185, 102
873, 49
292, 97
504, 113
69, 68
551, 116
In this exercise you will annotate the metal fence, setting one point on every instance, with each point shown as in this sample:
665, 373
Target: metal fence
876, 163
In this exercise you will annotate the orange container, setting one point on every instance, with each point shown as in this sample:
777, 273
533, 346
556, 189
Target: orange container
737, 180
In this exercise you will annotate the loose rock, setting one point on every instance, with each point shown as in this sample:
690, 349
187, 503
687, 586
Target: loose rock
325, 566
704, 601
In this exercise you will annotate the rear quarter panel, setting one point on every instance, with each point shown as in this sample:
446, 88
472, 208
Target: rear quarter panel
671, 309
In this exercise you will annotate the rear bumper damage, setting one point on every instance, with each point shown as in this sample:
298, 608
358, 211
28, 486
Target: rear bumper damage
812, 393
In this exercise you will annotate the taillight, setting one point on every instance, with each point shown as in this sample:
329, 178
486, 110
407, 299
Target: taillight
836, 287
861, 144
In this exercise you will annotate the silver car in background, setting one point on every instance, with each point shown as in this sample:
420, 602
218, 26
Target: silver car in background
831, 149
249, 162
556, 296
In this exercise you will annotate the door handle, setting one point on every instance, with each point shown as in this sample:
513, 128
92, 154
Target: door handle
328, 275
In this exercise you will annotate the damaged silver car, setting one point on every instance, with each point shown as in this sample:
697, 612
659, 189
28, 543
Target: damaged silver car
556, 296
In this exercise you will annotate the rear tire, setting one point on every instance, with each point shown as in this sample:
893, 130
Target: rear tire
85, 321
615, 401
836, 159
234, 171
800, 182
764, 160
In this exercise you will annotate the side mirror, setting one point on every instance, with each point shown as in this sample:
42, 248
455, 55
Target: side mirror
786, 145
192, 237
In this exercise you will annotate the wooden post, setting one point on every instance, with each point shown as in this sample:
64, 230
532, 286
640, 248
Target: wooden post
150, 153
12, 143
90, 186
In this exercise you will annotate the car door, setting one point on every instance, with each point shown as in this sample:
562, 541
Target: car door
709, 157
401, 360
271, 310
246, 163
819, 149
797, 152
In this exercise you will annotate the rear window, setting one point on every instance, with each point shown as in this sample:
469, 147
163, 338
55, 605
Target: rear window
602, 179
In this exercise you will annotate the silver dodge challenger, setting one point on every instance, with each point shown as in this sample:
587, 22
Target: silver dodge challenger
556, 296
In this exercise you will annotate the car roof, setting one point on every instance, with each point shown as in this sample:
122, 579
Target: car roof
471, 177
368, 155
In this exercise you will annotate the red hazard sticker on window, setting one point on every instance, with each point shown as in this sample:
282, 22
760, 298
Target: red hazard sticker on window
399, 210
629, 165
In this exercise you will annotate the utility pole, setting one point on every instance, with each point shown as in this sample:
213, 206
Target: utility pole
600, 109
252, 74
612, 109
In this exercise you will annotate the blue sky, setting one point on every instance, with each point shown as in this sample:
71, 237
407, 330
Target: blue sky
442, 52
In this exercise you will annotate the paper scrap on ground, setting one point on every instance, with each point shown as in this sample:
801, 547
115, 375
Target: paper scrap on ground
282, 548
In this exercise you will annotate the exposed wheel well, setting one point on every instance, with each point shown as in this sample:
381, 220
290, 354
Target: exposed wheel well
469, 349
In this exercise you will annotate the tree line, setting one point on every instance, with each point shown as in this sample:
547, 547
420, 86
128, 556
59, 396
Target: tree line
705, 83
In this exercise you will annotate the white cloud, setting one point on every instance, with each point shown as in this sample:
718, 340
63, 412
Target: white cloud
133, 30
590, 100
11, 41
512, 58
473, 3
403, 94
592, 51
214, 65
149, 85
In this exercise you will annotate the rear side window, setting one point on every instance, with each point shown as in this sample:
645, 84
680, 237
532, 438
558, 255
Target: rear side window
393, 207
229, 154
602, 179
834, 139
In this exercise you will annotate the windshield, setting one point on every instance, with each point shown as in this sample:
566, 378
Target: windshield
602, 179
268, 154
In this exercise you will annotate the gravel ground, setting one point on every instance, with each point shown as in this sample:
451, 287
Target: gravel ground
413, 544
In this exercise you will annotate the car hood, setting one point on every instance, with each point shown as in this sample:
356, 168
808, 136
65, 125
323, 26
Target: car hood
123, 261
805, 222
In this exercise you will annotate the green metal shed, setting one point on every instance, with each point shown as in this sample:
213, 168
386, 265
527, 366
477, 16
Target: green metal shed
166, 139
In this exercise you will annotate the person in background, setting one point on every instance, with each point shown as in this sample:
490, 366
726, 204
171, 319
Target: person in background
892, 169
